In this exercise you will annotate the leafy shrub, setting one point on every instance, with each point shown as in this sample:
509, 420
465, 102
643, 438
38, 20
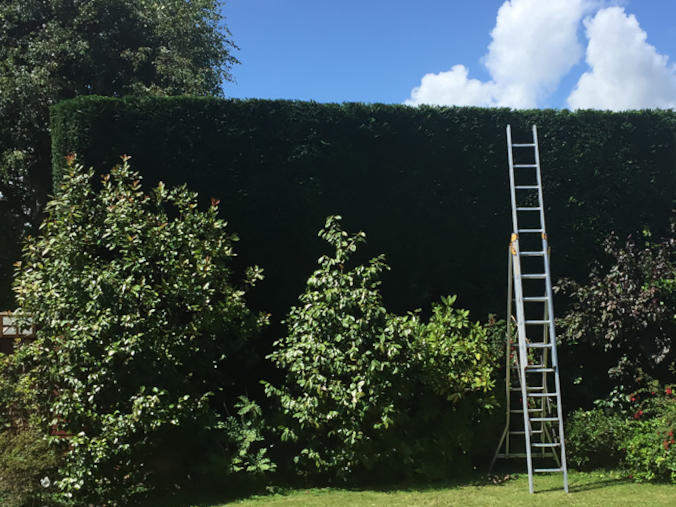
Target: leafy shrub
28, 467
649, 443
633, 430
142, 337
361, 382
628, 307
593, 439
651, 453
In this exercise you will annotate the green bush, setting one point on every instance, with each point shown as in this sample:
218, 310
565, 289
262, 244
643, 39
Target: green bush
28, 468
361, 383
634, 431
649, 443
593, 439
142, 338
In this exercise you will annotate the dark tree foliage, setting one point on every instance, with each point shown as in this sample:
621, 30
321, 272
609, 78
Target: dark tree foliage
628, 306
52, 50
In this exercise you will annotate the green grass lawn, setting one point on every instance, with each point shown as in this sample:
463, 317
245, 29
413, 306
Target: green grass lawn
586, 489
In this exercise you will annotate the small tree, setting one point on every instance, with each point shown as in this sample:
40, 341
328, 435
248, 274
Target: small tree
141, 336
629, 306
359, 379
52, 50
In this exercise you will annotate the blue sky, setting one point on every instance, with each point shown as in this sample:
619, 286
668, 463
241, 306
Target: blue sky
600, 54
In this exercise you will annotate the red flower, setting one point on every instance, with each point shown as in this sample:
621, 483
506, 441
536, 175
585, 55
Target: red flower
668, 391
633, 398
638, 414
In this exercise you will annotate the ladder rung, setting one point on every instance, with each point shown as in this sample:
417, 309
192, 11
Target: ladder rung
535, 432
540, 370
524, 455
541, 395
526, 187
546, 444
525, 165
547, 470
531, 254
542, 322
537, 276
519, 411
530, 230
538, 345
544, 419
536, 299
535, 388
524, 145
528, 208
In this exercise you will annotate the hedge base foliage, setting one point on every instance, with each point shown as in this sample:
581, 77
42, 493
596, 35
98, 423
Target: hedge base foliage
28, 467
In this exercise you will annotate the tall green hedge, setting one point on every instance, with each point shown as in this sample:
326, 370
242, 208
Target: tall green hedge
428, 185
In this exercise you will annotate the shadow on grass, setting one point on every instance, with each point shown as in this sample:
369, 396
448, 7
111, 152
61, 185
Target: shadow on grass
278, 486
592, 485
479, 478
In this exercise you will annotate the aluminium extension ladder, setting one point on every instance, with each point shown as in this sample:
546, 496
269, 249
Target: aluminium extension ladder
532, 363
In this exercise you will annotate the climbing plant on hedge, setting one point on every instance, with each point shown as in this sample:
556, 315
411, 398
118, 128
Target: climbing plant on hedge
141, 335
356, 374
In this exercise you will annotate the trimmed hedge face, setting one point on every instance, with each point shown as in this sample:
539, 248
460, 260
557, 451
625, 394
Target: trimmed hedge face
428, 185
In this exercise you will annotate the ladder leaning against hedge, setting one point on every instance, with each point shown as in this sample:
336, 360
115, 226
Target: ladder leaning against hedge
534, 363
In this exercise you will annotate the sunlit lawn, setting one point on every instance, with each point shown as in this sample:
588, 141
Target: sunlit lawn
586, 489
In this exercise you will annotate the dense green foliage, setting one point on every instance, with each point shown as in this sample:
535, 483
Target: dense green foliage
51, 50
593, 439
430, 184
28, 465
142, 340
650, 446
634, 430
360, 383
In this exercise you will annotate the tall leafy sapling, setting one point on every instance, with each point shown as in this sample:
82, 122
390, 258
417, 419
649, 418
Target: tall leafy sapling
356, 375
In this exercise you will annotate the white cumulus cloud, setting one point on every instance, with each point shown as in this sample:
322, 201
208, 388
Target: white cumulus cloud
534, 45
453, 87
625, 71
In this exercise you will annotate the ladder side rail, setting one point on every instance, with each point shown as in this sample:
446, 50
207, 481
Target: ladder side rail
539, 183
509, 358
557, 381
508, 363
546, 402
523, 358
550, 304
512, 185
521, 324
